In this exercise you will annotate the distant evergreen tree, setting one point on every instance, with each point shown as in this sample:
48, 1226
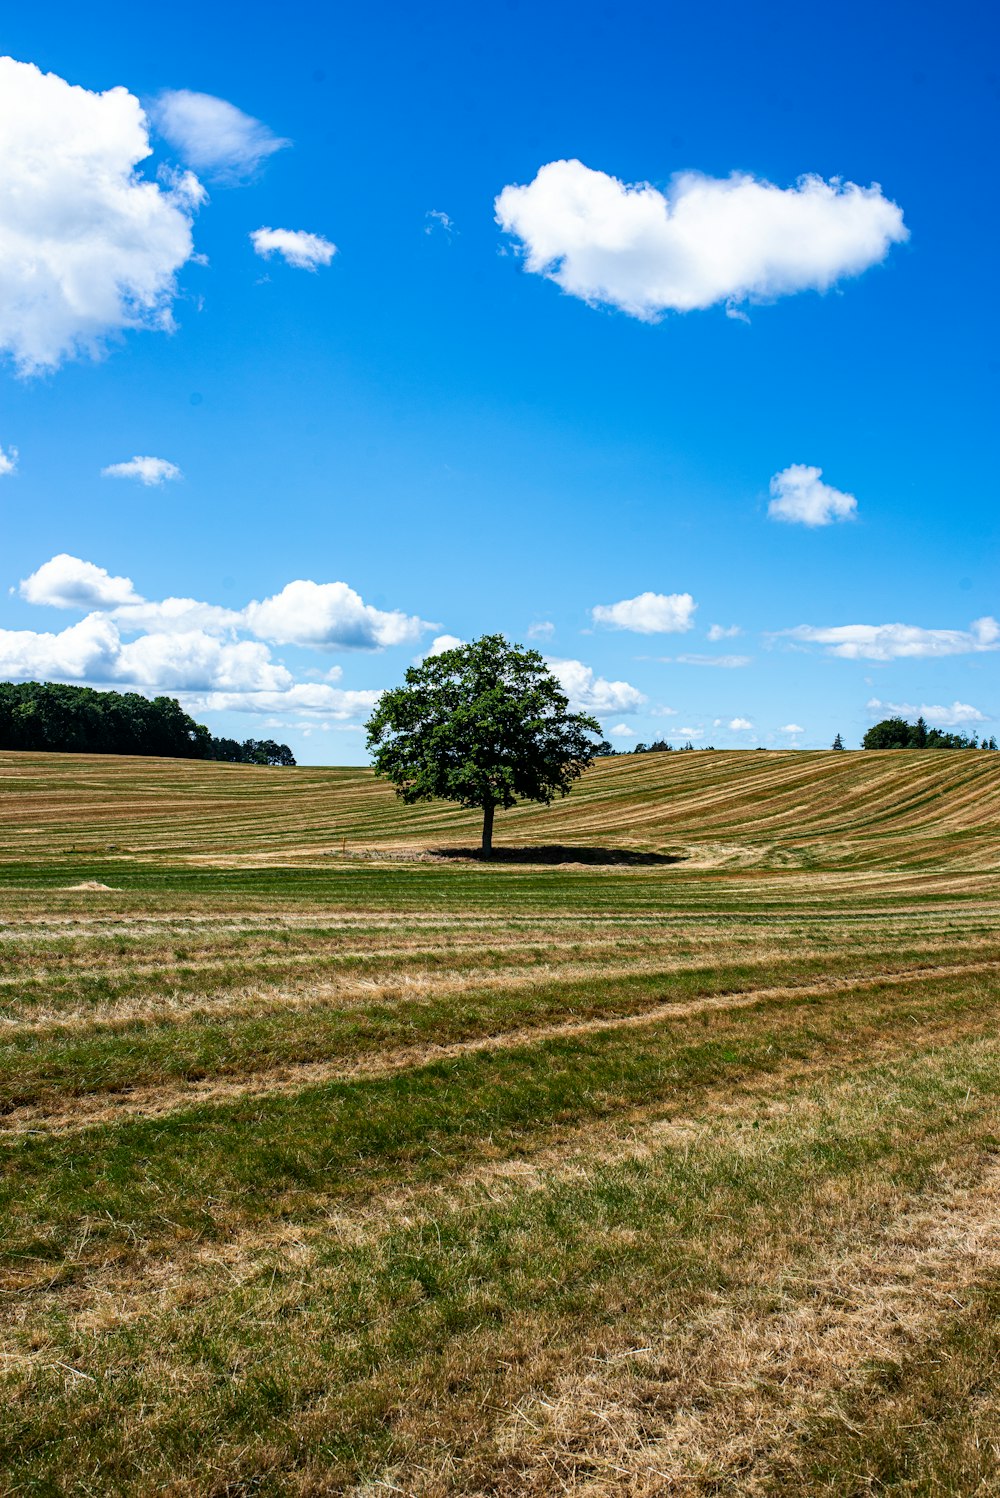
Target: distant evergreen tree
838, 743
45, 715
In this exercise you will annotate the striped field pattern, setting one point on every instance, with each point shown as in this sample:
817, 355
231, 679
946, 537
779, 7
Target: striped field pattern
659, 1156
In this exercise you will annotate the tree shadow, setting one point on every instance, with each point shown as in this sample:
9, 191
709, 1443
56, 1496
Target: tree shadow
561, 853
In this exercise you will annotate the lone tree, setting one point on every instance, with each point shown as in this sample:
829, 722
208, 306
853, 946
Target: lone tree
838, 743
486, 725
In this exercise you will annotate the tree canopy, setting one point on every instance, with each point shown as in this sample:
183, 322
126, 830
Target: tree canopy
486, 725
897, 733
46, 715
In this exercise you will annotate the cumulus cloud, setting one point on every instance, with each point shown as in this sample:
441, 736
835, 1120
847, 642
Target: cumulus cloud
622, 731
94, 651
322, 615
542, 629
304, 251
327, 615
594, 694
723, 632
194, 649
149, 471
8, 461
800, 497
440, 644
938, 716
192, 660
88, 248
86, 651
67, 582
791, 728
703, 241
648, 613
691, 733
740, 725
889, 642
301, 697
208, 673
213, 136
173, 615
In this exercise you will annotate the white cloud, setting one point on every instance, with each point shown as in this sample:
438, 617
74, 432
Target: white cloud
938, 716
439, 645
88, 248
799, 496
304, 251
889, 642
590, 694
149, 471
194, 661
93, 651
649, 613
322, 615
172, 615
542, 629
723, 632
327, 615
705, 240
791, 728
302, 697
622, 731
84, 651
740, 725
67, 582
727, 662
192, 649
212, 135
439, 220
8, 461
691, 733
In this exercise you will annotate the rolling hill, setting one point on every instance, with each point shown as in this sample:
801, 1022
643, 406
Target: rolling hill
791, 809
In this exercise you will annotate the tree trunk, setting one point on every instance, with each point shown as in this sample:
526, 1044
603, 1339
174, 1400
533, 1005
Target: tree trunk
488, 811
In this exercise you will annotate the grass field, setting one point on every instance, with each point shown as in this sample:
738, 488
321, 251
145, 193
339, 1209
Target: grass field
663, 1159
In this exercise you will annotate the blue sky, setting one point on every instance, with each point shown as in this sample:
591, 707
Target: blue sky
479, 428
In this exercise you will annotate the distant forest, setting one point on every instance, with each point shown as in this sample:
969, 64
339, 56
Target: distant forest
78, 720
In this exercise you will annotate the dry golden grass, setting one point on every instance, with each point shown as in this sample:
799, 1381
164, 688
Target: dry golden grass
733, 808
339, 1174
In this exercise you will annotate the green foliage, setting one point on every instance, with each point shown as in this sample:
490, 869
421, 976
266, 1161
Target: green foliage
79, 720
485, 725
838, 743
897, 733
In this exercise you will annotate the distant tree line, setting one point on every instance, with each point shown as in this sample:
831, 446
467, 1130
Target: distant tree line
605, 750
896, 733
891, 733
44, 715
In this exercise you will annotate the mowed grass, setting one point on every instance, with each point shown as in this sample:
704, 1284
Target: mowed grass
331, 1166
